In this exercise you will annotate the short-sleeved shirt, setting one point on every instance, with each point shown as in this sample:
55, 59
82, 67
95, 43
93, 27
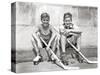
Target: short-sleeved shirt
70, 26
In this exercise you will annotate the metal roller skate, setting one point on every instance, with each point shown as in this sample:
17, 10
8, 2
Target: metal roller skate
37, 60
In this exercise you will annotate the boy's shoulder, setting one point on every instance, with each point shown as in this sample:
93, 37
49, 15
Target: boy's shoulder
75, 26
50, 26
61, 27
39, 26
36, 28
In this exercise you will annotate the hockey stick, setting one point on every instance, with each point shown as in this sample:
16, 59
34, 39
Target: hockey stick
61, 64
88, 61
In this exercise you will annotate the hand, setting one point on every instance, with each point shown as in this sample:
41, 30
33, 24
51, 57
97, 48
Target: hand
66, 32
47, 48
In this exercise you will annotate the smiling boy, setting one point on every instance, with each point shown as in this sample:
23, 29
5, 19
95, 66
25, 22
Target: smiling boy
71, 32
47, 32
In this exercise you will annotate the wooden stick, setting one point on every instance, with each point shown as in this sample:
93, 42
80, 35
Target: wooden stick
61, 64
88, 61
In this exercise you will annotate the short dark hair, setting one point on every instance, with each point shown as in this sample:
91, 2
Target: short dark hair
44, 15
68, 14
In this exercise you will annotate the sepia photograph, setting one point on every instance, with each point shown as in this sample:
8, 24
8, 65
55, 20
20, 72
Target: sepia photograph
53, 37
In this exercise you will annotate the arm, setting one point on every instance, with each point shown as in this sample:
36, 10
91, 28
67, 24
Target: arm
35, 31
75, 30
35, 35
52, 37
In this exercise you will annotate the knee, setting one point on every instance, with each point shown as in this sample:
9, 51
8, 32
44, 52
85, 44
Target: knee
63, 38
37, 42
76, 35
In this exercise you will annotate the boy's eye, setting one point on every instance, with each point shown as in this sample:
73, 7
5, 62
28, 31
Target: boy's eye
45, 20
67, 20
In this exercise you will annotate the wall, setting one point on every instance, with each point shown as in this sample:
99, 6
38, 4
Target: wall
28, 16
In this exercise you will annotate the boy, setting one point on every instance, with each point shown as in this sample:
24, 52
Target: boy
48, 34
67, 32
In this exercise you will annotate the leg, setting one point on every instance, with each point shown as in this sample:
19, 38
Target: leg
54, 44
63, 43
75, 40
37, 45
53, 47
63, 52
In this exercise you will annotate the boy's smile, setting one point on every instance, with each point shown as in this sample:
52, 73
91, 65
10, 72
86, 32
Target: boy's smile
45, 22
67, 20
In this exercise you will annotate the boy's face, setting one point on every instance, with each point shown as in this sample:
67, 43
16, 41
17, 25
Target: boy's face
45, 21
67, 20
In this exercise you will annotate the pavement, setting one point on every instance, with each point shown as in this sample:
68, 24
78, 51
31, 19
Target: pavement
45, 66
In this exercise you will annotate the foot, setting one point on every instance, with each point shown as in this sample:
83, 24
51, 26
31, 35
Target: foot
37, 60
64, 59
79, 59
53, 59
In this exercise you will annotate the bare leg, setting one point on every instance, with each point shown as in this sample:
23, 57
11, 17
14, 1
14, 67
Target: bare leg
63, 47
63, 43
79, 42
76, 39
54, 44
37, 45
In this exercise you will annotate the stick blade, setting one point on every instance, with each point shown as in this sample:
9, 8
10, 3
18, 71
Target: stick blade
71, 68
92, 62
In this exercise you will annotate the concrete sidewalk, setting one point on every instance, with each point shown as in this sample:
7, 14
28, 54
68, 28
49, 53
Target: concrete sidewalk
49, 66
